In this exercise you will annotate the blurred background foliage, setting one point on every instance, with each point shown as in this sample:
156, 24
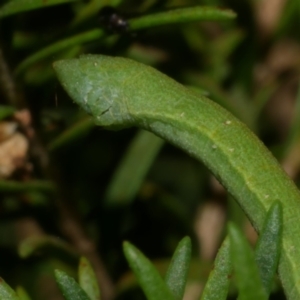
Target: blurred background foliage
68, 188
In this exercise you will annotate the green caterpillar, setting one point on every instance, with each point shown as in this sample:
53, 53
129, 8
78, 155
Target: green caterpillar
120, 93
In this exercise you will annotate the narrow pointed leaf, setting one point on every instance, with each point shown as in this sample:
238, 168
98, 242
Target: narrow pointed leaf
69, 287
177, 273
148, 277
182, 15
245, 269
268, 246
217, 285
67, 43
87, 279
48, 245
6, 292
129, 176
174, 16
22, 293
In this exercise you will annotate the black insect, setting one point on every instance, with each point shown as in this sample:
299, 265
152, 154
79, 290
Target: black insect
112, 21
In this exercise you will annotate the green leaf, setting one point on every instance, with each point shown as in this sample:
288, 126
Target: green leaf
69, 287
189, 14
129, 175
267, 251
48, 245
22, 294
245, 269
78, 39
182, 15
176, 276
6, 292
148, 277
217, 285
87, 279
17, 6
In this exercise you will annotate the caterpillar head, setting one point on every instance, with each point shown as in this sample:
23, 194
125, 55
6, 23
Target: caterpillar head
95, 83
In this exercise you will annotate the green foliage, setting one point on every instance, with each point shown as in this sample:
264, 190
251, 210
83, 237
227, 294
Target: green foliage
22, 293
149, 21
246, 271
6, 292
177, 273
70, 189
181, 15
267, 250
88, 280
123, 188
253, 274
48, 245
217, 285
149, 279
69, 288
